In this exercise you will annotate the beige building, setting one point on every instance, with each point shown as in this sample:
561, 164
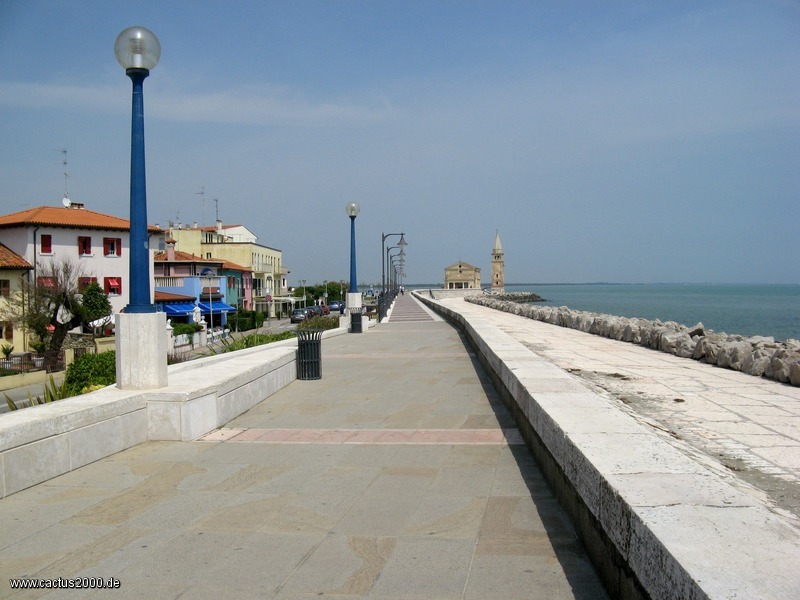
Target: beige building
461, 276
237, 244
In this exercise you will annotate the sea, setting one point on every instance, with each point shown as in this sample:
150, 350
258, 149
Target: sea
768, 310
744, 309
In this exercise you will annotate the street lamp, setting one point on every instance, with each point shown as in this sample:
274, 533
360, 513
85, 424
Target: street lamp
207, 274
402, 244
303, 283
137, 49
141, 331
353, 298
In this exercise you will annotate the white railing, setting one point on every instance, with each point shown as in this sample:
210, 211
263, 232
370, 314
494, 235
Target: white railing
168, 281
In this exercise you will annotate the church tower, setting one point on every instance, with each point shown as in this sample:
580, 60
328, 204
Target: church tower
498, 266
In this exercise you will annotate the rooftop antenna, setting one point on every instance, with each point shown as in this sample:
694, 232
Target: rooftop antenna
216, 208
65, 201
202, 194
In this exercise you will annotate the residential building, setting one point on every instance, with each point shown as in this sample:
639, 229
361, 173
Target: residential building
192, 276
237, 244
13, 273
95, 242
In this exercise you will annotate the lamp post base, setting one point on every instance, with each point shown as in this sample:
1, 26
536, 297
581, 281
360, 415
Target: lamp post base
354, 309
141, 345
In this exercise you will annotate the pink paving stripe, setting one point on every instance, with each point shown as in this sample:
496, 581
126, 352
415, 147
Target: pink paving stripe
448, 437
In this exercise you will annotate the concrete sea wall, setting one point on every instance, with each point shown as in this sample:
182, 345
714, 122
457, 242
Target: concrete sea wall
655, 523
758, 356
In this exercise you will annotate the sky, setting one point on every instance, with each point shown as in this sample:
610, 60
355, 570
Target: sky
615, 141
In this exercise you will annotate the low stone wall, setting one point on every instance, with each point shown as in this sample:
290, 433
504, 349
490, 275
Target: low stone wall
759, 356
42, 442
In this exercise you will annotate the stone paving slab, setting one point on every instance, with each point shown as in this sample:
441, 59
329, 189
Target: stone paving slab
397, 475
747, 428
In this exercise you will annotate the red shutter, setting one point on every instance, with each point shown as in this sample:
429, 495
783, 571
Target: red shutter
119, 246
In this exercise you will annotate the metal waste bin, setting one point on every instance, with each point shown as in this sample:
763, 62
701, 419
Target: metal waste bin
355, 321
309, 354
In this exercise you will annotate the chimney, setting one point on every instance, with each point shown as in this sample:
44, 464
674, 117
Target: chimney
219, 226
170, 249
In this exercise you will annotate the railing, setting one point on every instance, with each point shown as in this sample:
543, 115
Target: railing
168, 281
24, 362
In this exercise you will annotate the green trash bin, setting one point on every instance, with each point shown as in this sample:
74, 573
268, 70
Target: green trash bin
309, 354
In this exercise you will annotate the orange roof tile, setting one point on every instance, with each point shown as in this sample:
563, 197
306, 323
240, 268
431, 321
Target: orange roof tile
11, 260
59, 216
159, 296
185, 257
232, 265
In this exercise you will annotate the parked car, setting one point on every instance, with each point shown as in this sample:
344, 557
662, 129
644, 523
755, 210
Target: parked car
325, 309
335, 306
316, 310
298, 315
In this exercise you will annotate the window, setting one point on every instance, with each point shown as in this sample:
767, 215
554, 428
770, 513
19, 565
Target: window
83, 282
8, 330
84, 245
113, 286
47, 243
46, 282
112, 246
5, 288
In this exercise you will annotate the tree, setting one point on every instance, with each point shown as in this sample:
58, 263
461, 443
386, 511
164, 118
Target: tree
52, 306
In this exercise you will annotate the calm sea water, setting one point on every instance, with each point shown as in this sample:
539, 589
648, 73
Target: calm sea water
771, 310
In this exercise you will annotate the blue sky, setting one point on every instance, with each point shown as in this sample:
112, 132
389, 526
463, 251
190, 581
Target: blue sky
606, 141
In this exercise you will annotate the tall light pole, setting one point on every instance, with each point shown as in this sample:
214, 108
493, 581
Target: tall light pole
303, 283
353, 298
207, 273
402, 244
140, 327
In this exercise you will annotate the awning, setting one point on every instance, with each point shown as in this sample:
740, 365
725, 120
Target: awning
217, 307
178, 309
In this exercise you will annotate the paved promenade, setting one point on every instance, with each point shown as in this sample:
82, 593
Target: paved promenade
399, 474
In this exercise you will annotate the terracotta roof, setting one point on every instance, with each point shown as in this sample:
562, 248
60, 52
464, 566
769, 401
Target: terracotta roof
185, 257
233, 266
12, 260
59, 216
170, 297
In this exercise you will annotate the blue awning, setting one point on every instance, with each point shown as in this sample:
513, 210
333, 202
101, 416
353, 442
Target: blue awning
178, 309
217, 307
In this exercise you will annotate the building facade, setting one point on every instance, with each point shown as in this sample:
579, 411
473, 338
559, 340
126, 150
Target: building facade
238, 245
462, 275
13, 274
96, 243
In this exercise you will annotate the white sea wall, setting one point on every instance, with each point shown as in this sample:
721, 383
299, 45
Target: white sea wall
755, 355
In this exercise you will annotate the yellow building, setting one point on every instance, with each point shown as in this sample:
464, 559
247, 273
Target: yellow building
461, 276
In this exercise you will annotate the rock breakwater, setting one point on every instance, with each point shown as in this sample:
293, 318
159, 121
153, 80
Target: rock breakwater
758, 356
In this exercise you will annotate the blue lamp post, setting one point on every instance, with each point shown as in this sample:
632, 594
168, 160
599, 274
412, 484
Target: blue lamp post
141, 341
137, 49
354, 300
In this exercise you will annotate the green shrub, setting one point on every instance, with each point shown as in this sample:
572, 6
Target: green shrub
91, 370
185, 328
244, 320
319, 323
252, 340
52, 392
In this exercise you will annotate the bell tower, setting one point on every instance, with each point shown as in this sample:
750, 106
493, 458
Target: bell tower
498, 266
